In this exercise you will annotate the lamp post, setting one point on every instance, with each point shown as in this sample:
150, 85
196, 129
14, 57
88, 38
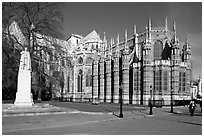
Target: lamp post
150, 103
172, 111
121, 102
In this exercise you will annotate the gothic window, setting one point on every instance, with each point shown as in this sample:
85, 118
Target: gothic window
79, 81
80, 60
51, 56
68, 84
136, 81
158, 47
157, 80
184, 81
166, 53
165, 80
63, 63
55, 56
92, 46
180, 81
97, 47
89, 61
88, 79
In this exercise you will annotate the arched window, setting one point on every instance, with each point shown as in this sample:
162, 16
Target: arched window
79, 81
89, 61
166, 53
158, 47
68, 84
88, 79
80, 60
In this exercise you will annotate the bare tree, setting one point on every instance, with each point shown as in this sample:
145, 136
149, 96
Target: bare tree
33, 18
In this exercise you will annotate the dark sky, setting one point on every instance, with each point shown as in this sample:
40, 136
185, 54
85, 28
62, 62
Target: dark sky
115, 17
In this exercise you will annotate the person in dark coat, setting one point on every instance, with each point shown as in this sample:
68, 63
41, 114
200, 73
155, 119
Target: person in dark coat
192, 106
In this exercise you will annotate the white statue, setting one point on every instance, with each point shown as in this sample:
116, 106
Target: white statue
23, 94
25, 63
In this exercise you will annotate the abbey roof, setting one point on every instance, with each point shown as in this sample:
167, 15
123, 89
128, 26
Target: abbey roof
91, 36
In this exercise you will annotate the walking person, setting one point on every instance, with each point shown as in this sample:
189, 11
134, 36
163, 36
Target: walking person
192, 106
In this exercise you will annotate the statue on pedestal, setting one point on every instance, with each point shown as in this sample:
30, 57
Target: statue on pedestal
23, 94
25, 63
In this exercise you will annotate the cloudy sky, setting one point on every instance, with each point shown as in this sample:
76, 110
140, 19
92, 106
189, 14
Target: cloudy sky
114, 18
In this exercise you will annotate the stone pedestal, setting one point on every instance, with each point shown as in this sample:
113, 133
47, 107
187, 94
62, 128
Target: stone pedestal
23, 95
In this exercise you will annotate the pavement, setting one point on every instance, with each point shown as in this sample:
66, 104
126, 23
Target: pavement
66, 117
56, 107
9, 110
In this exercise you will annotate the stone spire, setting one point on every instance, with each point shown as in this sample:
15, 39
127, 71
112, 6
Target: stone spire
188, 48
174, 26
126, 35
149, 24
111, 46
104, 38
118, 39
135, 34
166, 23
105, 43
126, 38
135, 30
174, 30
117, 44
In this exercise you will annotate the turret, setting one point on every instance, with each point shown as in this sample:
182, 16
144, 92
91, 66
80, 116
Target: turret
186, 51
175, 48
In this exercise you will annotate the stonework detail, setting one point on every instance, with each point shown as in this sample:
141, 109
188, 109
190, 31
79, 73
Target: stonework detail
152, 64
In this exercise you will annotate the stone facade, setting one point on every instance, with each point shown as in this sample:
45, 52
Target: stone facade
148, 65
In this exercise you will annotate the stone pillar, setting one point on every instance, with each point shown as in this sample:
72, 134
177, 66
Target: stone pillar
125, 78
175, 81
102, 80
188, 82
136, 83
108, 80
147, 75
116, 79
95, 80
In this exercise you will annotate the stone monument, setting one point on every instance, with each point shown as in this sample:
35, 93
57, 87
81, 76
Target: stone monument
23, 94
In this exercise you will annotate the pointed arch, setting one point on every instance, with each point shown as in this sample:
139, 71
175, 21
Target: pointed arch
80, 60
88, 61
158, 47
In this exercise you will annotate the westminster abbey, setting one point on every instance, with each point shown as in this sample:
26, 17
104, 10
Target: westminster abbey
146, 65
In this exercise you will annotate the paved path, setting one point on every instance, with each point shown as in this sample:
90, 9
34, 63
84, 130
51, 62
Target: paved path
102, 107
163, 124
97, 120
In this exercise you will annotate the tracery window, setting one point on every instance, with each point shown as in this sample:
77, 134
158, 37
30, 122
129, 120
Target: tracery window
158, 47
88, 79
165, 80
182, 81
